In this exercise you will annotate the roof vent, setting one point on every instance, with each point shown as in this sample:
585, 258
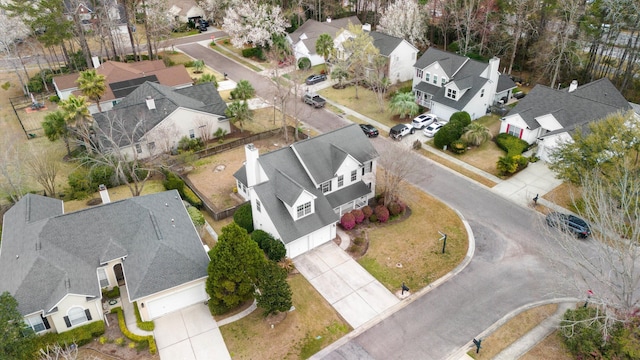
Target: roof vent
151, 104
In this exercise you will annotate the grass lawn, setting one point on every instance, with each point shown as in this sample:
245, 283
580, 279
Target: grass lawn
366, 103
564, 195
551, 347
115, 194
414, 243
512, 330
224, 47
459, 169
310, 327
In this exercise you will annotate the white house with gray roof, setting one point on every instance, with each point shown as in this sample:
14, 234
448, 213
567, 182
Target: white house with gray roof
547, 116
447, 83
401, 55
153, 118
303, 40
299, 192
55, 264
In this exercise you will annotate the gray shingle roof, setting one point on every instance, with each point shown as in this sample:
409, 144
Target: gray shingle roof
385, 43
133, 108
504, 83
313, 29
449, 62
43, 260
587, 103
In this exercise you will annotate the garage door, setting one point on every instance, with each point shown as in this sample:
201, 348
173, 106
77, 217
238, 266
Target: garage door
176, 301
297, 247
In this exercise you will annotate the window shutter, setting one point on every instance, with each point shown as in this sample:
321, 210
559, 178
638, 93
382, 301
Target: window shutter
66, 321
86, 311
46, 322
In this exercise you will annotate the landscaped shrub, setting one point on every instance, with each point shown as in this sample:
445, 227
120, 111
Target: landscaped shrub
358, 215
511, 144
449, 133
54, 99
187, 144
191, 197
103, 174
367, 211
254, 52
304, 63
348, 221
382, 213
458, 146
80, 185
274, 249
196, 216
133, 337
373, 218
260, 237
80, 336
244, 218
396, 208
143, 325
461, 117
507, 165
173, 182
111, 294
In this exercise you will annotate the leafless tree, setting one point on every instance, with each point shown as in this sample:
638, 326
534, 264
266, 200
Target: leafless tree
397, 162
57, 352
44, 165
205, 129
518, 19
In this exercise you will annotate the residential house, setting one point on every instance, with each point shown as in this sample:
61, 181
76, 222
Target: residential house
123, 78
184, 10
55, 264
547, 116
447, 83
303, 40
299, 192
153, 118
401, 55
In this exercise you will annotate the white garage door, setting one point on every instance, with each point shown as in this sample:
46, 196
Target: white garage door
176, 301
297, 247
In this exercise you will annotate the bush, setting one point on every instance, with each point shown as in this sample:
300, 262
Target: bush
511, 144
507, 165
196, 216
244, 218
304, 63
133, 337
367, 211
260, 237
80, 185
461, 117
173, 182
81, 335
191, 197
274, 249
35, 84
358, 215
54, 99
459, 146
111, 294
373, 218
143, 325
348, 221
449, 133
187, 144
103, 174
254, 52
382, 213
396, 208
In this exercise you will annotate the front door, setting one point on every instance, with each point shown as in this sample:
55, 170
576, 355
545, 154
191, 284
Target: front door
117, 269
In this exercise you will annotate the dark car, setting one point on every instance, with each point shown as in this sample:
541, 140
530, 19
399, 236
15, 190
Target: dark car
314, 79
369, 130
569, 223
202, 27
519, 95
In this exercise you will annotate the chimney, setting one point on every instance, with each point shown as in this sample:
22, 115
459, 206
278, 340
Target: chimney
151, 104
573, 86
366, 27
96, 62
104, 194
251, 166
328, 19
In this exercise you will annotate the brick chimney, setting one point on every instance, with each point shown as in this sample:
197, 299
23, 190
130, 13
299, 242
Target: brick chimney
104, 194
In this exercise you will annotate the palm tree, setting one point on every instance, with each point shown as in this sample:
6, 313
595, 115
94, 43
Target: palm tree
239, 112
92, 85
55, 127
243, 91
205, 78
76, 113
324, 47
476, 134
403, 104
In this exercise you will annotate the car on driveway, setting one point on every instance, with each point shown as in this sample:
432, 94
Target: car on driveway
424, 120
399, 131
431, 130
314, 79
569, 223
369, 130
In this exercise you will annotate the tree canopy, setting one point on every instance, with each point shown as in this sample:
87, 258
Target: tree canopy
15, 336
254, 23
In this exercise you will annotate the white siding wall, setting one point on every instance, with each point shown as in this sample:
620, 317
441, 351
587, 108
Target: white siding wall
261, 220
550, 143
401, 62
310, 241
200, 297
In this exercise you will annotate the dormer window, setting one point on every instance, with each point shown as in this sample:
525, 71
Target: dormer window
435, 79
340, 181
304, 209
326, 187
452, 94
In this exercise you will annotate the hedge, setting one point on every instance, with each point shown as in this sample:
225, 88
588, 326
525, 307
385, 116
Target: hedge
244, 218
254, 52
142, 325
111, 294
382, 213
133, 337
348, 221
80, 336
511, 144
173, 181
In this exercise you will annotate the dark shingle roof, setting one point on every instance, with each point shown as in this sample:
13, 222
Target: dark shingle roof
313, 29
504, 83
449, 62
385, 43
587, 103
43, 260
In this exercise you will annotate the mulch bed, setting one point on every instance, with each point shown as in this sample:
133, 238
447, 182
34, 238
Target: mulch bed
111, 350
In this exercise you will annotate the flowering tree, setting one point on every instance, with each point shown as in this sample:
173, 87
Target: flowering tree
405, 19
254, 23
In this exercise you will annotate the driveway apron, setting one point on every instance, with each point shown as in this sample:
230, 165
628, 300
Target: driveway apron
350, 289
190, 334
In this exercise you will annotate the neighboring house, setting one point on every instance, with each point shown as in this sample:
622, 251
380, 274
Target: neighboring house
183, 10
447, 83
153, 118
400, 55
547, 116
123, 78
303, 40
55, 264
299, 192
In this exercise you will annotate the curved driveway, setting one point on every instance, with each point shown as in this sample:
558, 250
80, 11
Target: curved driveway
507, 271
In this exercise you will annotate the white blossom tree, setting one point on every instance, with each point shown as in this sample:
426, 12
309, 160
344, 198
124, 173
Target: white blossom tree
405, 19
215, 9
254, 23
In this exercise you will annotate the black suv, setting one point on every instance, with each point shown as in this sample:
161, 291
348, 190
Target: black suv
569, 223
369, 130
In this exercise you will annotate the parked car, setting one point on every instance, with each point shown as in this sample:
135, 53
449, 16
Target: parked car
201, 27
314, 79
431, 130
424, 120
569, 223
399, 131
314, 100
369, 130
519, 95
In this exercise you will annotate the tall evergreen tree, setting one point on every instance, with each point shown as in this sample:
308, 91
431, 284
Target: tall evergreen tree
15, 339
274, 292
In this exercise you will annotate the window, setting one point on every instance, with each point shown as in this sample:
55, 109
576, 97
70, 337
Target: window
138, 148
419, 73
514, 130
192, 134
152, 146
304, 209
258, 206
451, 93
427, 77
326, 187
368, 166
102, 276
77, 316
443, 81
435, 79
35, 323
482, 93
340, 180
354, 175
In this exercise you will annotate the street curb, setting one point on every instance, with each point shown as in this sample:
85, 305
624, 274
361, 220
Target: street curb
459, 353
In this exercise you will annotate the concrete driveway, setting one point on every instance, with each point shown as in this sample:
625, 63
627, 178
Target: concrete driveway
190, 334
346, 285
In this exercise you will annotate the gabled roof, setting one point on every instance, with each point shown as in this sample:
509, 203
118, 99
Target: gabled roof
587, 103
505, 83
313, 29
45, 258
439, 93
449, 62
115, 72
321, 156
133, 108
385, 43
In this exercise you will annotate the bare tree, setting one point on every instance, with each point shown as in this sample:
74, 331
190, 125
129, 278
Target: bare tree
205, 129
398, 164
44, 165
57, 352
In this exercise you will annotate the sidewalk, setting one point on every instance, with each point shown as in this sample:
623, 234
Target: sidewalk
129, 314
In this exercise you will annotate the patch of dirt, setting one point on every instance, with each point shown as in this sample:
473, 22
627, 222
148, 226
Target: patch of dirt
111, 350
275, 319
